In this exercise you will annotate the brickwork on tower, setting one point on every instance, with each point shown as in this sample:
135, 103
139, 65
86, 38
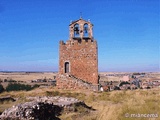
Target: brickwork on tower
78, 57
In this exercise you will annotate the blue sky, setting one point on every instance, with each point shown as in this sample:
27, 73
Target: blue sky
127, 32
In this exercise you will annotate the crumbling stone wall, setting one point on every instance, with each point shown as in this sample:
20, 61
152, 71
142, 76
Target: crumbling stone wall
71, 82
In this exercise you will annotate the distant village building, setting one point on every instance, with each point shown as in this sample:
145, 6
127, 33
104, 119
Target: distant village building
78, 58
126, 78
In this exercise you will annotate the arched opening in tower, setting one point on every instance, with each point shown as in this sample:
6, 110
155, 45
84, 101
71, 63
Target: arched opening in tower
85, 30
76, 30
66, 69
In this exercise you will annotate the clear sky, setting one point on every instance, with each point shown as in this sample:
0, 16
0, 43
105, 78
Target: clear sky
127, 32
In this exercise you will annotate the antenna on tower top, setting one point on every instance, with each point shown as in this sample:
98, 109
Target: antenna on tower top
80, 15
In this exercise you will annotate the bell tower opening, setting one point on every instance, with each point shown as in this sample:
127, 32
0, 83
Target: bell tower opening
66, 68
76, 30
81, 29
85, 30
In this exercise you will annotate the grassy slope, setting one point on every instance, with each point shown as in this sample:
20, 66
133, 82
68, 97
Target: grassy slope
108, 105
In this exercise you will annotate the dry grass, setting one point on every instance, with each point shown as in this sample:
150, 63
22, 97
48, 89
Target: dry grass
108, 105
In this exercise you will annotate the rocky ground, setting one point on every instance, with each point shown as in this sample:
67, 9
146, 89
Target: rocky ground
42, 108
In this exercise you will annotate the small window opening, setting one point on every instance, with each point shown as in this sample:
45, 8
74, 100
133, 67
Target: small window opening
66, 67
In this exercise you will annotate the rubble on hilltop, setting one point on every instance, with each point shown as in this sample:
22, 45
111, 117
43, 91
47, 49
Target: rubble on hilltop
42, 108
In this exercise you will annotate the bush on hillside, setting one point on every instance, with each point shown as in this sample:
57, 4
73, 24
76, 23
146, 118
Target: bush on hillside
18, 86
1, 88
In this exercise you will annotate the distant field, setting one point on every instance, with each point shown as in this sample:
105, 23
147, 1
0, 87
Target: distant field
23, 76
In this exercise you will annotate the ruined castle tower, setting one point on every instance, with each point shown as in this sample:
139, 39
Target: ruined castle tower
78, 59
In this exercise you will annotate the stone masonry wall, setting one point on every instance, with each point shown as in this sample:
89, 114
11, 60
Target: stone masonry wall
71, 82
82, 58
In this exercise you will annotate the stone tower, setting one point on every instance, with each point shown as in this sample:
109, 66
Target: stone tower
78, 58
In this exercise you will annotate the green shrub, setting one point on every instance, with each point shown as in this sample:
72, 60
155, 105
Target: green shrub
18, 86
35, 86
1, 88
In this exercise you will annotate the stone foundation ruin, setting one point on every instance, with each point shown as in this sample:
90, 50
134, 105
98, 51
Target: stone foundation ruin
43, 108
